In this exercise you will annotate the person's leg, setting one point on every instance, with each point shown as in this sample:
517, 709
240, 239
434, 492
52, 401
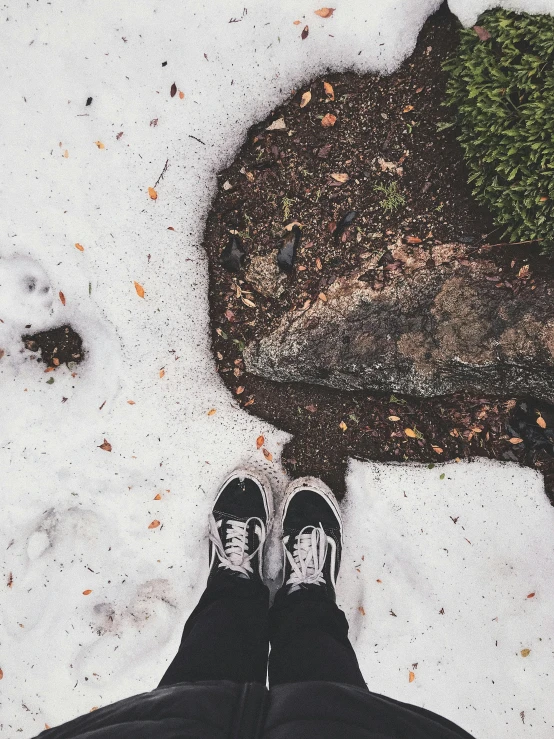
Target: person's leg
308, 631
226, 636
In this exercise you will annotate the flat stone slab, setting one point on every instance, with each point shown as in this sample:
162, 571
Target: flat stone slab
422, 322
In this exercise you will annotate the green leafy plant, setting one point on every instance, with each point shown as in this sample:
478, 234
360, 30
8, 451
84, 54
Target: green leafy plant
501, 90
393, 199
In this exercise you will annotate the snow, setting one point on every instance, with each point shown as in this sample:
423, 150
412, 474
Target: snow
75, 517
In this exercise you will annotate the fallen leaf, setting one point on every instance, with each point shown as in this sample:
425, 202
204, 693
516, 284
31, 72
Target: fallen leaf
212, 411
541, 422
239, 390
305, 32
153, 194
324, 151
325, 12
131, 402
328, 120
342, 426
328, 87
162, 373
306, 97
249, 303
296, 23
268, 455
181, 94
411, 677
1, 674
173, 90
318, 264
394, 418
62, 298
47, 726
515, 440
437, 449
10, 580
340, 176
523, 272
407, 109
543, 199
99, 144
157, 497
87, 592
531, 595
413, 240
170, 228
311, 408
260, 442
411, 433
106, 446
483, 34
525, 652
323, 297
278, 125
78, 246
66, 154
361, 610
140, 290
154, 525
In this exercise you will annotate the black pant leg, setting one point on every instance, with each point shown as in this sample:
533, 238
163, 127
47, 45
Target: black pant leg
226, 636
309, 640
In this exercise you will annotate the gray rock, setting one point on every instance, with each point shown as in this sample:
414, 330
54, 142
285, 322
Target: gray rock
439, 324
264, 276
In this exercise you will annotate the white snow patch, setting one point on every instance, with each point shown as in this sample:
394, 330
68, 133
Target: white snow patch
75, 517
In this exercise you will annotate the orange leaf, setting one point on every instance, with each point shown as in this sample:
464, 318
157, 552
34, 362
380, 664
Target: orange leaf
328, 87
157, 497
153, 194
408, 108
87, 592
47, 726
140, 290
325, 12
154, 525
66, 154
531, 595
131, 402
413, 240
212, 411
411, 676
438, 449
394, 418
410, 432
515, 440
162, 373
78, 246
268, 455
181, 94
296, 23
306, 97
361, 610
239, 390
328, 120
525, 652
323, 297
541, 422
1, 673
260, 442
62, 297
106, 446
342, 426
99, 144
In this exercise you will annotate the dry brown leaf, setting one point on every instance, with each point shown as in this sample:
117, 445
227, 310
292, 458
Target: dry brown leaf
154, 525
249, 303
437, 449
311, 408
131, 402
411, 677
211, 411
541, 422
342, 426
305, 32
87, 592
531, 595
173, 90
106, 446
411, 433
394, 418
515, 440
10, 580
78, 246
140, 290
525, 652
318, 264
47, 726
323, 297
62, 298
157, 497
306, 97
239, 390
407, 109
260, 442
413, 240
153, 194
267, 455
328, 120
170, 228
361, 610
328, 87
162, 373
325, 12
99, 144
340, 176
483, 34
1, 674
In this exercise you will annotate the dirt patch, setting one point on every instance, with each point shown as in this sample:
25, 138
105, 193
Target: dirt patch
385, 160
56, 346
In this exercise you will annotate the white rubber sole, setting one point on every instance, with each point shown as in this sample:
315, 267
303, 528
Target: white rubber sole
263, 483
318, 486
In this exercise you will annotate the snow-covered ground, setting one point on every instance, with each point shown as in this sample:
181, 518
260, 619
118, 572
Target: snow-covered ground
75, 518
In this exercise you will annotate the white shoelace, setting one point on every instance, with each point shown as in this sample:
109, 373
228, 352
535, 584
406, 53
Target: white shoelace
234, 556
308, 557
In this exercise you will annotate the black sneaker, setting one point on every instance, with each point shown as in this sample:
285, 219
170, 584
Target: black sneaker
312, 536
239, 522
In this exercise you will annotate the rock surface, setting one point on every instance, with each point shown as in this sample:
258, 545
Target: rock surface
423, 322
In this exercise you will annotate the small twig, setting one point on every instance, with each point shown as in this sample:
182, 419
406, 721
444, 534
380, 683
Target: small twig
194, 137
515, 243
164, 170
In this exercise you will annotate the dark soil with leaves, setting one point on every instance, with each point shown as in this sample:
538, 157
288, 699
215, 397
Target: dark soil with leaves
386, 159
